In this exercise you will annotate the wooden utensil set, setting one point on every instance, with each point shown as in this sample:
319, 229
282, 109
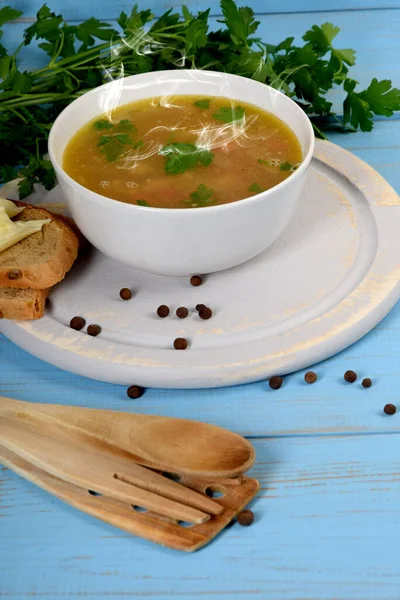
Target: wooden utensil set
172, 481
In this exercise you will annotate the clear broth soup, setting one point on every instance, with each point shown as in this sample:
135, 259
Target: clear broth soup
182, 152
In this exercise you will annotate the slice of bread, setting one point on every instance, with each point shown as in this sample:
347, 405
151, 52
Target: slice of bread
22, 304
42, 259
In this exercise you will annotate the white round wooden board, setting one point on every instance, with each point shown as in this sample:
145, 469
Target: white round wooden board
329, 279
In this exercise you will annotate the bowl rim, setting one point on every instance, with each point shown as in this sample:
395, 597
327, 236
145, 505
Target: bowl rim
127, 207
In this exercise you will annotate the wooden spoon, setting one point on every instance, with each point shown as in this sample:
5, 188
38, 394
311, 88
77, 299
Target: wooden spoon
167, 444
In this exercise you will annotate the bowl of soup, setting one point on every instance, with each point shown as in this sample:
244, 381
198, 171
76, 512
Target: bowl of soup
182, 172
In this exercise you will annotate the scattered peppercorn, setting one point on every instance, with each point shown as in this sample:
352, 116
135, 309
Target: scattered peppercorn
205, 313
15, 274
135, 391
163, 311
310, 377
367, 382
350, 376
389, 409
125, 294
200, 307
180, 344
182, 312
275, 382
196, 280
245, 518
77, 323
94, 330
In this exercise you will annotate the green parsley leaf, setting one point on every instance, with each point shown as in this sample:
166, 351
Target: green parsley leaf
179, 157
8, 173
382, 99
87, 31
202, 196
203, 104
286, 166
103, 124
25, 187
264, 162
104, 139
142, 203
239, 21
126, 125
228, 114
379, 98
8, 14
256, 188
122, 138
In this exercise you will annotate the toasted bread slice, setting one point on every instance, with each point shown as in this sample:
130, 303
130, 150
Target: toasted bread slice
22, 304
42, 259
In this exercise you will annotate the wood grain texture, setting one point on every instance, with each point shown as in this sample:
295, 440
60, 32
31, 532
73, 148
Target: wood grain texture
325, 526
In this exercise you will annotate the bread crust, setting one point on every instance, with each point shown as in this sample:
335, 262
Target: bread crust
23, 305
40, 275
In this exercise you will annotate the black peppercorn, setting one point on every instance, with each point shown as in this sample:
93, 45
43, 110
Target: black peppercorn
163, 311
310, 377
77, 323
125, 294
275, 382
350, 376
135, 391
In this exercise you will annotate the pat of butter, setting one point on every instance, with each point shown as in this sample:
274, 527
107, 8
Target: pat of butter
12, 232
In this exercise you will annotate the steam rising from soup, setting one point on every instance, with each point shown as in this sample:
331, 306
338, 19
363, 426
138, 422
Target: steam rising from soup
182, 152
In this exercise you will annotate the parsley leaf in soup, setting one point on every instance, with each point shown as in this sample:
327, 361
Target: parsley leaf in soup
255, 188
228, 114
142, 203
104, 139
180, 157
126, 125
264, 162
112, 146
204, 104
102, 124
286, 166
202, 196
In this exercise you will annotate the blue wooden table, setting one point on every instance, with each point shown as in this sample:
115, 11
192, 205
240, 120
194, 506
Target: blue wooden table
327, 516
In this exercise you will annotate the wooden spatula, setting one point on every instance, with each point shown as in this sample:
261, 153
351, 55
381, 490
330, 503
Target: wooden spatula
168, 444
161, 530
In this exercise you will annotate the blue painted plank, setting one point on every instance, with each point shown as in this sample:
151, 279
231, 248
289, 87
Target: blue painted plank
377, 54
77, 10
325, 528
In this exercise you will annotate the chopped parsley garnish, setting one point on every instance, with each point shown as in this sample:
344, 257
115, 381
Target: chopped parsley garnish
204, 104
229, 114
286, 166
264, 162
112, 146
103, 124
142, 203
256, 188
125, 125
180, 157
202, 196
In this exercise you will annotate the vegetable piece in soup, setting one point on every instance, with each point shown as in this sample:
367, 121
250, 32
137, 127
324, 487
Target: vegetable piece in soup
182, 152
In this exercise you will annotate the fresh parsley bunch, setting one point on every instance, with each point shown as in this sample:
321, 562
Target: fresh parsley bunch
81, 57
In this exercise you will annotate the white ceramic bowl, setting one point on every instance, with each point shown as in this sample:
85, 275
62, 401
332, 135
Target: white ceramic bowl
181, 241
